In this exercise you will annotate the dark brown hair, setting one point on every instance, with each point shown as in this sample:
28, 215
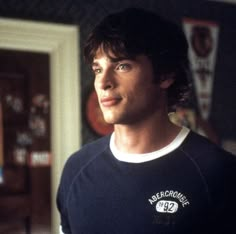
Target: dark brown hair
136, 31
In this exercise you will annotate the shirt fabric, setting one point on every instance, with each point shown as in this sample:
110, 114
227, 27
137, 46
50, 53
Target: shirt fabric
186, 187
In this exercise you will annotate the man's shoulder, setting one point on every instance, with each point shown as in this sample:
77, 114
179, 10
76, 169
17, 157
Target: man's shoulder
215, 166
87, 153
199, 146
209, 157
79, 161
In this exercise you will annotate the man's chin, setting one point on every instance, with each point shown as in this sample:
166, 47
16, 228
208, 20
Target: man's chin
110, 119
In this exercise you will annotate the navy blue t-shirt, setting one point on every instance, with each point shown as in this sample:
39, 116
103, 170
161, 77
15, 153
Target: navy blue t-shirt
189, 189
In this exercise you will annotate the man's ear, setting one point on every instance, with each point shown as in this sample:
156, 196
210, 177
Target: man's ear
167, 80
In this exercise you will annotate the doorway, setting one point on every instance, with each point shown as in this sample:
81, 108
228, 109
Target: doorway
60, 42
26, 159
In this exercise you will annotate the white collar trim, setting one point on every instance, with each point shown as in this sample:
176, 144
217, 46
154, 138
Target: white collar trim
140, 158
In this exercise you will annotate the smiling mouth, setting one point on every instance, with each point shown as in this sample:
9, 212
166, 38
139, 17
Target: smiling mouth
109, 101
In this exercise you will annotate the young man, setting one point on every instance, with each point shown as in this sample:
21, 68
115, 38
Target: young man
150, 176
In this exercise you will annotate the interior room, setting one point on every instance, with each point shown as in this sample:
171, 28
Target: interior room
48, 107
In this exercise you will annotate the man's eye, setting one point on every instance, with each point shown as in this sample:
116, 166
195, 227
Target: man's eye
97, 70
123, 67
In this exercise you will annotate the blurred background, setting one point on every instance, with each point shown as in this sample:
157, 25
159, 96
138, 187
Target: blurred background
31, 156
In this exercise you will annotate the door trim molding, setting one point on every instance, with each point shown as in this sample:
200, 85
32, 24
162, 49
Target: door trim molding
60, 42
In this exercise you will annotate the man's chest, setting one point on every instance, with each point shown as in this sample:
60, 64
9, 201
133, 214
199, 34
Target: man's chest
139, 201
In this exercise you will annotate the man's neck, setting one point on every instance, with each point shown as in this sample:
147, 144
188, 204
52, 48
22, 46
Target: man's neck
145, 137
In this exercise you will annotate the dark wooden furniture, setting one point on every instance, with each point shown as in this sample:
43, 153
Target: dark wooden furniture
15, 198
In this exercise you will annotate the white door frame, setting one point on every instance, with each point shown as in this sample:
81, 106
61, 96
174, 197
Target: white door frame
61, 43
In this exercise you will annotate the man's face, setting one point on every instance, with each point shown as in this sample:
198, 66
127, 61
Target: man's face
125, 88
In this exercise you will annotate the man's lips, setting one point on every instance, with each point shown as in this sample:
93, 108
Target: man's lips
109, 101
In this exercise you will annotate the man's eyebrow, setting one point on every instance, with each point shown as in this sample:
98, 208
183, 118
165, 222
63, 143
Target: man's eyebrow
112, 60
94, 64
118, 59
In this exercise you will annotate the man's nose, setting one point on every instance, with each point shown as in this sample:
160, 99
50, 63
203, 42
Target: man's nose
106, 80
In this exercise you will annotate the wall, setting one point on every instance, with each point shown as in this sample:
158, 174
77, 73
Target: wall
86, 13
